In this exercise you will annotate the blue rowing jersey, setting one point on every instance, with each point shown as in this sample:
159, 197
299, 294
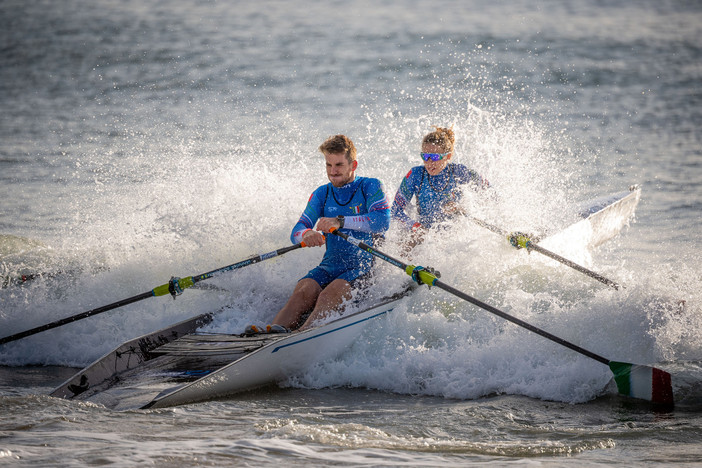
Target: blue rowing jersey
432, 192
366, 212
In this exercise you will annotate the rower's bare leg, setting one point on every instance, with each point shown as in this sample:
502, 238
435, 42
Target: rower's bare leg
329, 300
302, 299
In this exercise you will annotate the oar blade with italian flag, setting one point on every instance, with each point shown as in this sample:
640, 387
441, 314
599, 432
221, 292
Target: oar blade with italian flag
643, 382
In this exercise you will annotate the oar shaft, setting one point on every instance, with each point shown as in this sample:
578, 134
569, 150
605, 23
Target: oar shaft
73, 318
432, 280
168, 288
184, 283
247, 262
488, 226
519, 322
573, 265
371, 250
529, 245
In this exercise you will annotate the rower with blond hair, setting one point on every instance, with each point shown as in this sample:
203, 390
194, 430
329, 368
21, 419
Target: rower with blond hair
352, 204
436, 185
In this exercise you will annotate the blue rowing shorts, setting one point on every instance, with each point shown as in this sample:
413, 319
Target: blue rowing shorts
324, 275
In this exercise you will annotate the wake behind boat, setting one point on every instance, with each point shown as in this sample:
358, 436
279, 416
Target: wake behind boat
177, 365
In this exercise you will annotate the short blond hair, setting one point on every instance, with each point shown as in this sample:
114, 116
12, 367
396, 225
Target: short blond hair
339, 144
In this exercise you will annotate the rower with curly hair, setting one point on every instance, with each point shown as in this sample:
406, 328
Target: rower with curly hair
436, 185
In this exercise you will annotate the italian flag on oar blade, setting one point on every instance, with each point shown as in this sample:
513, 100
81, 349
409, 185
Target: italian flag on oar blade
647, 383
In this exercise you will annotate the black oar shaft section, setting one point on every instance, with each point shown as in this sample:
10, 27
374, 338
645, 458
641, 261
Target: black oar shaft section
522, 241
247, 262
428, 278
73, 318
519, 322
367, 248
573, 265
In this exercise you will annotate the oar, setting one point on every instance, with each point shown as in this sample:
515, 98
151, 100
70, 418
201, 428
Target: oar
22, 279
521, 240
174, 287
633, 380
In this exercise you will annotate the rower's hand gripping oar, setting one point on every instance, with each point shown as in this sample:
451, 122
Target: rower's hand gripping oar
174, 287
633, 380
521, 240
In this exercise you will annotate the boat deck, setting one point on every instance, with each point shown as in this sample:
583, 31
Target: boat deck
214, 344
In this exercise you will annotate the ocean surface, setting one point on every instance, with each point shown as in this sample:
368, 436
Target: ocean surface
144, 140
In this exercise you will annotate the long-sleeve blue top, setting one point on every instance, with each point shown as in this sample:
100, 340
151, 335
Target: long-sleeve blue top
366, 211
432, 192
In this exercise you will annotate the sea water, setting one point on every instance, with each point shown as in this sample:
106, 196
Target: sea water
140, 141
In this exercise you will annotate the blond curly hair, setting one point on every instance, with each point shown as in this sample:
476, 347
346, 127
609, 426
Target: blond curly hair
442, 137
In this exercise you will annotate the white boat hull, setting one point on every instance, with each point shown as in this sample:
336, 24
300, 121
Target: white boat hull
602, 219
142, 372
130, 355
285, 356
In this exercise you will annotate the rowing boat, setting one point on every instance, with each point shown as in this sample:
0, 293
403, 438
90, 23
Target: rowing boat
178, 365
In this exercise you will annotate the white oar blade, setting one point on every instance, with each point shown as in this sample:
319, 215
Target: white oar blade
643, 382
